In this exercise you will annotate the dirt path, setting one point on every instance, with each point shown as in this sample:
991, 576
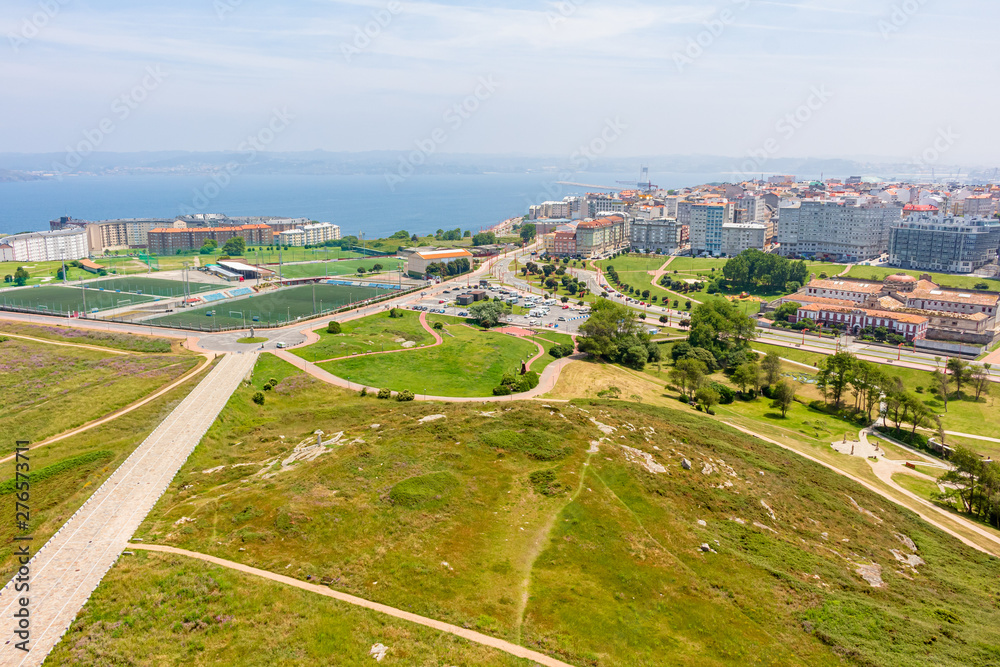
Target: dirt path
470, 635
845, 271
123, 411
96, 348
887, 479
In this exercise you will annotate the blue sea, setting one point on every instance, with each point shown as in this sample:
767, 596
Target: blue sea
357, 203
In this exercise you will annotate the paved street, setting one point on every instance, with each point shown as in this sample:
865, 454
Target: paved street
69, 567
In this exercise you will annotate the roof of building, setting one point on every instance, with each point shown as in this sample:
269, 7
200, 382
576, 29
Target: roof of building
847, 285
799, 297
601, 222
241, 228
87, 264
451, 253
884, 314
900, 279
233, 265
952, 296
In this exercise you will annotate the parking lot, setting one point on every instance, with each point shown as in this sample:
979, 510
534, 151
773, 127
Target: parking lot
556, 315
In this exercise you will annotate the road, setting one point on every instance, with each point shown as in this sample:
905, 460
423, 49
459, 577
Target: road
67, 569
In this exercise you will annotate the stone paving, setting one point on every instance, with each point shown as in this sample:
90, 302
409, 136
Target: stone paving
69, 567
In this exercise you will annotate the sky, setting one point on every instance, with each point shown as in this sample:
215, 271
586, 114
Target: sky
907, 79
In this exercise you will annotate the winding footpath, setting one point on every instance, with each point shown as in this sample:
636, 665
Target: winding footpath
471, 635
67, 569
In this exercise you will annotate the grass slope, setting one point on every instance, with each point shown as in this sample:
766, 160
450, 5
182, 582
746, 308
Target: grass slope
370, 334
605, 569
47, 389
158, 609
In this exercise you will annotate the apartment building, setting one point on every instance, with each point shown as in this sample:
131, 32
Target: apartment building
706, 224
601, 205
663, 235
851, 229
595, 238
740, 236
168, 241
948, 244
52, 246
983, 206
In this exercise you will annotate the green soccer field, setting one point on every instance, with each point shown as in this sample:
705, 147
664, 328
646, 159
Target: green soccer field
343, 268
269, 309
64, 300
152, 286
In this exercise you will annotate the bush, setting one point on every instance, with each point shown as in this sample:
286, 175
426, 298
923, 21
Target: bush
439, 325
726, 394
424, 490
364, 392
384, 393
396, 313
268, 386
404, 395
333, 328
544, 482
502, 390
258, 398
527, 382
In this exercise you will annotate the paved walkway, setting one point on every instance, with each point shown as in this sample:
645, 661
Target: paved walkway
471, 635
69, 567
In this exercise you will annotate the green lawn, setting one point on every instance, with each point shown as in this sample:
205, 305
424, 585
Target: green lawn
44, 272
943, 279
469, 363
374, 333
342, 268
47, 389
917, 485
594, 561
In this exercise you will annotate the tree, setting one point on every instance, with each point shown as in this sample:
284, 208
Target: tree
208, 246
361, 270
484, 238
489, 313
783, 394
466, 234
333, 328
771, 365
235, 247
376, 267
965, 476
528, 232
708, 397
745, 376
785, 310
941, 382
414, 239
835, 374
21, 276
688, 374
959, 372
8, 278
401, 235
980, 380
258, 398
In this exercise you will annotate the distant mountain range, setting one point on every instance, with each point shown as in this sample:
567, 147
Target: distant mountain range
30, 166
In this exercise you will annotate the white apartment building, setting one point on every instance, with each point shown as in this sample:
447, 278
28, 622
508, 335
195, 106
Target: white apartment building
740, 236
849, 229
321, 233
751, 208
62, 245
599, 206
292, 237
707, 220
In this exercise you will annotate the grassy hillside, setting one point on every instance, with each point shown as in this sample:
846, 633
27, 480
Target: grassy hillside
510, 519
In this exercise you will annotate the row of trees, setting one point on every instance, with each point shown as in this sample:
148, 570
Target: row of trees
692, 367
975, 484
753, 268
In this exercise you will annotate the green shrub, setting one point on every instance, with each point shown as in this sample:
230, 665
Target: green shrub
384, 393
544, 482
268, 387
432, 489
532, 445
364, 392
439, 325
9, 486
502, 390
333, 328
404, 395
258, 398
